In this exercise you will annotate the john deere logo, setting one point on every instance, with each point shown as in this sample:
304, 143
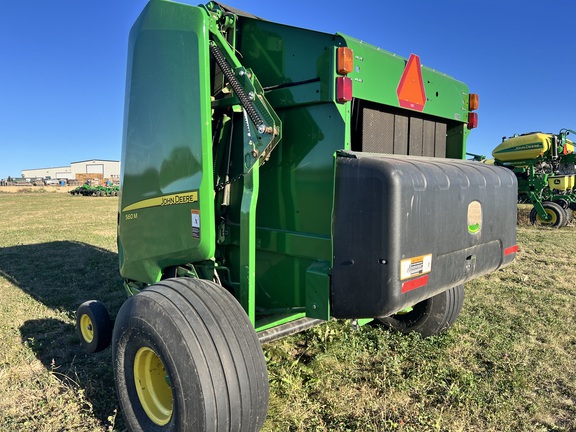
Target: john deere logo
522, 147
474, 217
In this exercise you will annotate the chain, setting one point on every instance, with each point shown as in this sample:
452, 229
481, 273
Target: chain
220, 186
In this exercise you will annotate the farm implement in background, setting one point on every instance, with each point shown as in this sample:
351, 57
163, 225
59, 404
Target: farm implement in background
545, 166
88, 190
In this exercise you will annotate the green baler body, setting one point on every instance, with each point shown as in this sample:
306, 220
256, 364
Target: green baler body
172, 158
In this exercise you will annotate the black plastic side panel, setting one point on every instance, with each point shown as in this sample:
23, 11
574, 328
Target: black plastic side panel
445, 221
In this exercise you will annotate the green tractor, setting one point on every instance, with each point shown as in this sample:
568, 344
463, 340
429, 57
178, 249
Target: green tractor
545, 165
274, 178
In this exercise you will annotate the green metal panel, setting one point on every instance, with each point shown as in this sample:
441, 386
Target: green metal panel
318, 290
456, 142
295, 207
166, 214
281, 54
247, 242
377, 74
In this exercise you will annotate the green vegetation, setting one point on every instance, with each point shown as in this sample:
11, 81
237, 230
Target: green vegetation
507, 364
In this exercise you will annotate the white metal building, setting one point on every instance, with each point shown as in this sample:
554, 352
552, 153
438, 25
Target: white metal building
109, 169
64, 173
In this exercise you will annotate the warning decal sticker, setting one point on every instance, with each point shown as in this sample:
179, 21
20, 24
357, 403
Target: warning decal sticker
196, 224
416, 266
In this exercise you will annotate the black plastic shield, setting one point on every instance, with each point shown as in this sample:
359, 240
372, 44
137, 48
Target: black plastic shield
407, 228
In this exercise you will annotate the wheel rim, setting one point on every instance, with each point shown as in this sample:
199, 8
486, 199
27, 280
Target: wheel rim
86, 328
152, 386
552, 221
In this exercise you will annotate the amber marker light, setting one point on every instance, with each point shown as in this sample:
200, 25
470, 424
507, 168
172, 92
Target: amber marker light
473, 101
345, 60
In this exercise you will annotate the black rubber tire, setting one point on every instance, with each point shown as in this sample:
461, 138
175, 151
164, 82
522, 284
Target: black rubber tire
212, 358
94, 326
556, 211
569, 215
429, 317
567, 210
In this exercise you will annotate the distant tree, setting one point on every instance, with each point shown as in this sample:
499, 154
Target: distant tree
9, 179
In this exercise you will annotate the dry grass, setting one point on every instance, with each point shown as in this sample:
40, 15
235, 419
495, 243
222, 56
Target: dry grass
57, 251
35, 189
507, 364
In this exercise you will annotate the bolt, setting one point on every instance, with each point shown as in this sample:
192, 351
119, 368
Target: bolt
255, 153
241, 72
251, 96
261, 128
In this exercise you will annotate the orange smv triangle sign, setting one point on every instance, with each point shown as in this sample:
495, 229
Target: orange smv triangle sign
410, 90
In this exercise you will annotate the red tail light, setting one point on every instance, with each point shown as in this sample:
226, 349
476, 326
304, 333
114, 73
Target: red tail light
472, 120
343, 89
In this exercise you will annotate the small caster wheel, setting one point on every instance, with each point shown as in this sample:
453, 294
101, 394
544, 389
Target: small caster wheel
94, 326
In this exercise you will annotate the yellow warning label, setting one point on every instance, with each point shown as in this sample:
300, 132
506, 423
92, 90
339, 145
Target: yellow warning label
166, 200
415, 266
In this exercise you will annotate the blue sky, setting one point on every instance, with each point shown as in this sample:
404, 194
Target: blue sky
63, 65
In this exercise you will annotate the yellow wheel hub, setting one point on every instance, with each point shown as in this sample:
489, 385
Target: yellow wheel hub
552, 221
86, 328
152, 386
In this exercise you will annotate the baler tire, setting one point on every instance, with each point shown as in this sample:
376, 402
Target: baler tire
214, 375
429, 317
556, 211
94, 326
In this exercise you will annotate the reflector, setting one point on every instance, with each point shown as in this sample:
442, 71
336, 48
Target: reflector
473, 101
343, 89
410, 91
414, 284
472, 120
345, 60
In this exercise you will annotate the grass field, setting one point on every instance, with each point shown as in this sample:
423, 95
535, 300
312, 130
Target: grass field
508, 364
